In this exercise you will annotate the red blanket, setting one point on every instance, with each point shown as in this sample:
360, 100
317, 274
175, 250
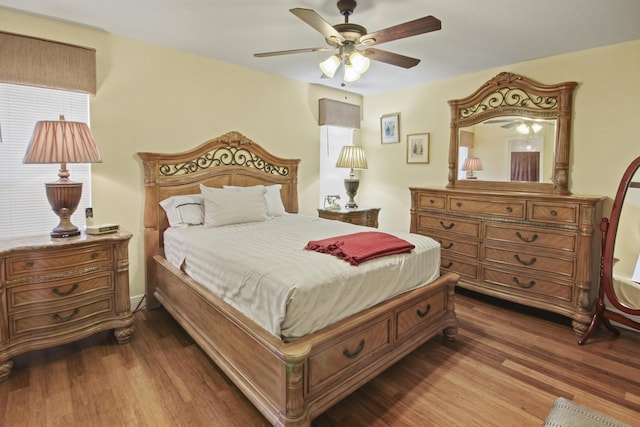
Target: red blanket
360, 247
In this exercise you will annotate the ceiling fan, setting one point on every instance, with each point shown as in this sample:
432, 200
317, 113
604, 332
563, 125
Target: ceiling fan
354, 42
522, 125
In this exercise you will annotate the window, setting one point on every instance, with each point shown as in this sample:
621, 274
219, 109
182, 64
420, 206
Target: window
332, 139
24, 209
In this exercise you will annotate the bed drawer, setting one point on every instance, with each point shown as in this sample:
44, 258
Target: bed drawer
430, 224
61, 291
529, 284
59, 319
534, 261
326, 366
420, 313
56, 261
531, 236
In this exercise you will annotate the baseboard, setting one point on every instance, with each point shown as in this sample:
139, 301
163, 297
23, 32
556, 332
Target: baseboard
135, 300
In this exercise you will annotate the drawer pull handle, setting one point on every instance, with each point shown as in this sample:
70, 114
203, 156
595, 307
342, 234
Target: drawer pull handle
29, 264
425, 312
509, 209
355, 354
449, 264
531, 284
530, 262
69, 317
447, 227
459, 204
64, 293
95, 255
432, 201
449, 246
527, 239
554, 213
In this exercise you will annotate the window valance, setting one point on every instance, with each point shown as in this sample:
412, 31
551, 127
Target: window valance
37, 62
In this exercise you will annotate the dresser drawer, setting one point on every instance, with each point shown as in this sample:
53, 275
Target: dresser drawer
531, 237
463, 268
431, 201
438, 224
457, 247
420, 313
25, 296
566, 213
530, 284
49, 262
513, 209
535, 261
324, 368
59, 319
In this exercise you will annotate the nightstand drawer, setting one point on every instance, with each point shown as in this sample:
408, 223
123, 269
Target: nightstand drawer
26, 296
58, 319
50, 261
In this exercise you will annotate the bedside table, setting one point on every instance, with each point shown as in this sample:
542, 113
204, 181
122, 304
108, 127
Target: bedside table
55, 291
363, 215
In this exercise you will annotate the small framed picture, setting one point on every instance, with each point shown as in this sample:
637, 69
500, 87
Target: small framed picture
418, 148
390, 128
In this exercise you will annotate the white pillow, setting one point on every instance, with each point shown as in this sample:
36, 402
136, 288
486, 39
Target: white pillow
272, 198
184, 210
227, 206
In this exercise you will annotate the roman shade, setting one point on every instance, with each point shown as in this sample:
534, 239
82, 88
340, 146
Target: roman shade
32, 61
336, 113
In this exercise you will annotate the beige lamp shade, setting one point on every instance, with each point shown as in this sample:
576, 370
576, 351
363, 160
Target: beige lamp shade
470, 165
352, 157
62, 142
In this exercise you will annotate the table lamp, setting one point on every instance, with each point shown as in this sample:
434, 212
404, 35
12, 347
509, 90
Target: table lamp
352, 157
470, 165
62, 142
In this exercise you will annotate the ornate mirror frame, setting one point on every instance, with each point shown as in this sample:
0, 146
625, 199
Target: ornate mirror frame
509, 94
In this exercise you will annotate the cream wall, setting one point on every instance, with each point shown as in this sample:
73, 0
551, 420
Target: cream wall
151, 98
604, 139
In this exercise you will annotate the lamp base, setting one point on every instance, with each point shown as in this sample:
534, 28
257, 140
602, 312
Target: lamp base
351, 186
64, 196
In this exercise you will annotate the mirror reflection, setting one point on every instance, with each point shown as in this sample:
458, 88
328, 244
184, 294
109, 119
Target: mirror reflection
626, 266
507, 148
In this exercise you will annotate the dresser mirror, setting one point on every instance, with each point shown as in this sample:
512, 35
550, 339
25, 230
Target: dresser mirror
512, 134
620, 275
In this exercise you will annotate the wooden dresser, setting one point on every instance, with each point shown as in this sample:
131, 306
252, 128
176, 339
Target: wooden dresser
54, 291
540, 250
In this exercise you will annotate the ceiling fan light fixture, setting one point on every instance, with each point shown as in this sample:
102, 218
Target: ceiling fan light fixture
351, 74
523, 128
359, 62
536, 127
330, 65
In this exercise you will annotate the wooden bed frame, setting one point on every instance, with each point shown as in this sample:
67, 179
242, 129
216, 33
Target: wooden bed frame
289, 382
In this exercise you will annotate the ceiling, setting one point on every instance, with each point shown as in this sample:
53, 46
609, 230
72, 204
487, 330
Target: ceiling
475, 35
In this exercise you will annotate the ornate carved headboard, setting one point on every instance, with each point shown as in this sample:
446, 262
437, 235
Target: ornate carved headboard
230, 159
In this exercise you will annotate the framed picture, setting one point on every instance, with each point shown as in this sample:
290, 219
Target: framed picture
418, 148
390, 128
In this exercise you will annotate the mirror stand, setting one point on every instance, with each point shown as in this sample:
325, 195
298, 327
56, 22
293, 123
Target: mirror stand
609, 228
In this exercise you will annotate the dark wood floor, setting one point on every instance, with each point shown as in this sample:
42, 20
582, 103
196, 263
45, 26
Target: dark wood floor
505, 369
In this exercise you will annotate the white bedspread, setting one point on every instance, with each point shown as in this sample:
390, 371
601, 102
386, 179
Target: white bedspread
262, 270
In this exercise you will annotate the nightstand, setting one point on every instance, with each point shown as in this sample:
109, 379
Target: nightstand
55, 291
363, 215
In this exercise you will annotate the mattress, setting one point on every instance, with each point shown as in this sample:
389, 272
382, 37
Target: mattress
262, 270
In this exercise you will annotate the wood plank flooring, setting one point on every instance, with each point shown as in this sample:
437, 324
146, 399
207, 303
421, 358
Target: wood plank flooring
506, 368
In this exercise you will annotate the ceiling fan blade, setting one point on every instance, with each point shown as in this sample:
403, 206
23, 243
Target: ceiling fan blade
287, 52
316, 21
401, 31
391, 58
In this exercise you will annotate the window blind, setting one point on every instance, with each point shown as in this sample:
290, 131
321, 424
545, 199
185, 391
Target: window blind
25, 209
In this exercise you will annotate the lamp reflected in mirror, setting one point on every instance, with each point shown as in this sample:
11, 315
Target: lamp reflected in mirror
471, 165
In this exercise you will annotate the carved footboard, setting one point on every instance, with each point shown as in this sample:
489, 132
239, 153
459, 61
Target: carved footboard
291, 383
